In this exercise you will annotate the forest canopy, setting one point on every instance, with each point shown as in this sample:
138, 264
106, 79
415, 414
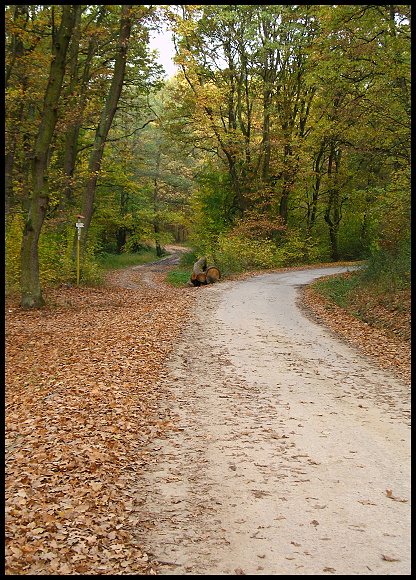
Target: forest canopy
284, 137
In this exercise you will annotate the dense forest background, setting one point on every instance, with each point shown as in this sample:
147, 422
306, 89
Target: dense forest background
283, 139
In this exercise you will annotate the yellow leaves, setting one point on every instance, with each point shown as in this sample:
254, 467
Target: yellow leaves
242, 253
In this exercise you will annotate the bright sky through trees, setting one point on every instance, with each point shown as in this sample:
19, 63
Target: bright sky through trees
163, 43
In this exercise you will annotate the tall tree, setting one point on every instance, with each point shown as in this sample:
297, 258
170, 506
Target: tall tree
247, 72
16, 53
106, 120
362, 120
61, 35
80, 79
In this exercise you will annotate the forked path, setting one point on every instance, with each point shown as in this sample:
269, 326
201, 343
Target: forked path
291, 454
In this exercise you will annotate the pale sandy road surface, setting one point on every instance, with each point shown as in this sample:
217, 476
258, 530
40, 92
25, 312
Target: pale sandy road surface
287, 440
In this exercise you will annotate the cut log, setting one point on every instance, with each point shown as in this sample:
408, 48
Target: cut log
200, 265
198, 279
201, 274
198, 272
212, 274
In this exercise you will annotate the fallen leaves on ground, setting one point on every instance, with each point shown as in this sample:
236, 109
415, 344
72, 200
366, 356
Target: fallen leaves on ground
82, 404
389, 558
390, 495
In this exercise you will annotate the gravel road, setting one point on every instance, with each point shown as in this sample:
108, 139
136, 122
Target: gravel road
291, 450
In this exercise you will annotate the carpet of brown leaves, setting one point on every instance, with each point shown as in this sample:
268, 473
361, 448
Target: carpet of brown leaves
82, 393
82, 404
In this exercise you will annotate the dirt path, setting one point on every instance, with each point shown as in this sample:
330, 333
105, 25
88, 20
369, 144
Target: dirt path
291, 454
132, 277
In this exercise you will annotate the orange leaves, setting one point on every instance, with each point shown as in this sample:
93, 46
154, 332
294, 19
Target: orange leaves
81, 404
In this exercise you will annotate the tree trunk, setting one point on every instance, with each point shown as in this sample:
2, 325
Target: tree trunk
121, 238
288, 176
30, 283
105, 122
21, 12
71, 136
156, 224
316, 187
79, 101
332, 214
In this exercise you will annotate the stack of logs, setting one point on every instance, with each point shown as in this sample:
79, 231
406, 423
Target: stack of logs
204, 274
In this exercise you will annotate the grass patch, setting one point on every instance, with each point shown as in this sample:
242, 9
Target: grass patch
178, 277
181, 274
362, 297
116, 261
339, 289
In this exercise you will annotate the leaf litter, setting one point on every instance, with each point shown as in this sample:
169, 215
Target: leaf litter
82, 406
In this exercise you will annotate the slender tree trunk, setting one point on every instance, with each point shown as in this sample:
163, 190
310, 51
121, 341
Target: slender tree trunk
265, 156
8, 177
71, 137
156, 225
30, 283
105, 122
313, 208
288, 180
332, 214
121, 233
21, 13
80, 102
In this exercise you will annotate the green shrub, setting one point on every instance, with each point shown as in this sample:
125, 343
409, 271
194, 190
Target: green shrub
387, 270
340, 288
115, 261
237, 254
188, 259
55, 256
91, 272
234, 252
296, 249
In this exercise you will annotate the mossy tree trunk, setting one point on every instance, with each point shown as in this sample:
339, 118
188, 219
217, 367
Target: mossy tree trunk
30, 282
